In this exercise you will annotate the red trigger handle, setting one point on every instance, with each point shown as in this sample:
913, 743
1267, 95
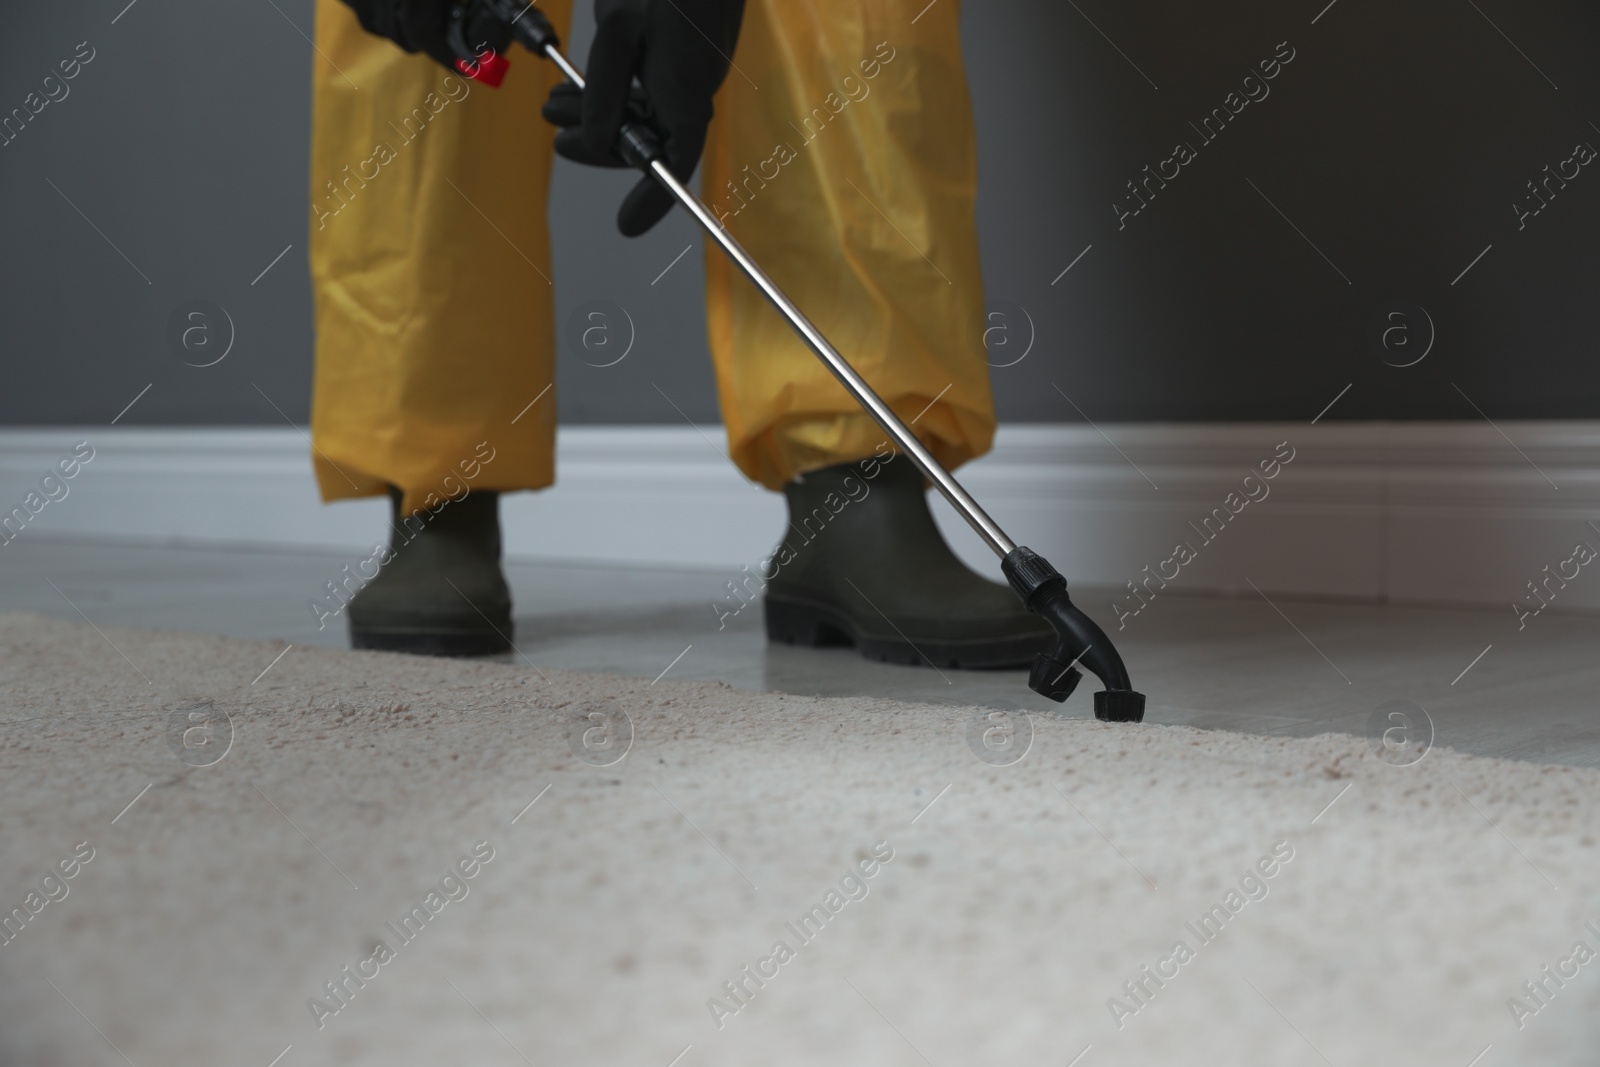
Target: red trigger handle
489, 68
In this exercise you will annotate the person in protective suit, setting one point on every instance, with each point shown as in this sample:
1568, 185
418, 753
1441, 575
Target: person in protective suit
842, 155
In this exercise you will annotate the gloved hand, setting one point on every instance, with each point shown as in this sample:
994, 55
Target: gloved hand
422, 26
680, 51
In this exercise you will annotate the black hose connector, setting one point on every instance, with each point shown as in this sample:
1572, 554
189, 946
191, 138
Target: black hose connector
1079, 641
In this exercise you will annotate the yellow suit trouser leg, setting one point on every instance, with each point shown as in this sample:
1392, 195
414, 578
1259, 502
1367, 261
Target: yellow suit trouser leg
850, 174
843, 157
430, 269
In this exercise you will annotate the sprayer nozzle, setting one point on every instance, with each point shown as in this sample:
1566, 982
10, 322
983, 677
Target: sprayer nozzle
1079, 641
1119, 705
1052, 678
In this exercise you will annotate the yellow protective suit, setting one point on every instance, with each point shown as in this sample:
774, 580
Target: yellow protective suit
842, 156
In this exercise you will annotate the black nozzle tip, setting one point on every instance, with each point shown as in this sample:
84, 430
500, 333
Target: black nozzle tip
1052, 678
1079, 640
1119, 705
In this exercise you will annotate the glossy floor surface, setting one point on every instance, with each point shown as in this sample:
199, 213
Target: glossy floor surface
1291, 668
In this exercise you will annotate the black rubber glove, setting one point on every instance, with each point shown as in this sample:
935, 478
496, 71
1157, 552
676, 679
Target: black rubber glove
414, 25
680, 51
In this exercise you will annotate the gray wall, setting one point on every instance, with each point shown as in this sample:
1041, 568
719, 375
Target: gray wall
1395, 142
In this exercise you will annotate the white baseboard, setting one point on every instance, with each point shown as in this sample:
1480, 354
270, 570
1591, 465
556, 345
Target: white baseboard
1447, 512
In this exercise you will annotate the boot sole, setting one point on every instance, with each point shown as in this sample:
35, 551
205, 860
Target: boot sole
459, 643
793, 622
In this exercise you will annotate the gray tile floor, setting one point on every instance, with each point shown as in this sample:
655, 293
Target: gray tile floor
1293, 668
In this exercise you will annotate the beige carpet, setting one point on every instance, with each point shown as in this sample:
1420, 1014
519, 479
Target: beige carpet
932, 908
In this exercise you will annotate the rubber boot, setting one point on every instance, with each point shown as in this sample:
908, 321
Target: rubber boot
441, 591
864, 564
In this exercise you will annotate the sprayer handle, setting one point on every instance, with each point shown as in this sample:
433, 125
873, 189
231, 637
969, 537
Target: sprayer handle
637, 144
470, 29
